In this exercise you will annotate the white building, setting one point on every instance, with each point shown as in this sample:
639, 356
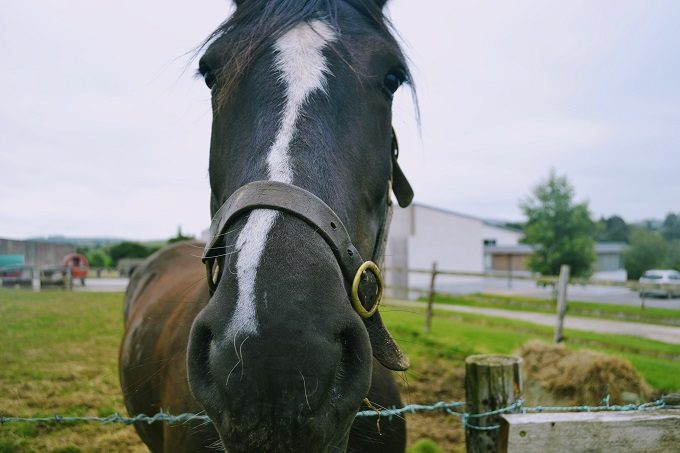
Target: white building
421, 235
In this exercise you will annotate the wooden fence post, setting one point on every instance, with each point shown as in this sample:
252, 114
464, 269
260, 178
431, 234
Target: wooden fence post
561, 302
492, 382
430, 300
68, 279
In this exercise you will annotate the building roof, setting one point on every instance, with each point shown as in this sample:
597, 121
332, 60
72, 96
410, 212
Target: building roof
491, 223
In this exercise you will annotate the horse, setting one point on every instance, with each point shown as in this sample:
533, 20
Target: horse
275, 332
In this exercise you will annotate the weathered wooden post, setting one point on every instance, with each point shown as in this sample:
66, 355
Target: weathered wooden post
561, 302
430, 300
68, 279
492, 382
643, 296
35, 280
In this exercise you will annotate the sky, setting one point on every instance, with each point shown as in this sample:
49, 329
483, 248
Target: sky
104, 130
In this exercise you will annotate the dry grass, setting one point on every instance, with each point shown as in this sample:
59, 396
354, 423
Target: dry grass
557, 375
429, 382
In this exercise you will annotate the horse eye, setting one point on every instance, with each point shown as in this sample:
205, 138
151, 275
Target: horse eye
209, 79
207, 73
393, 81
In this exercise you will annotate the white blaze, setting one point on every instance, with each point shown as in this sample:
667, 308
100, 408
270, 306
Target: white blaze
302, 67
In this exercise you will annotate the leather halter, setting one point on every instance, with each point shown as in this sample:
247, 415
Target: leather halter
314, 211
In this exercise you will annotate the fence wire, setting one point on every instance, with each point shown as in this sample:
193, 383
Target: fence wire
451, 408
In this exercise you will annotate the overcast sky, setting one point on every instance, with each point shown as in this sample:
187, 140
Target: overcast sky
105, 131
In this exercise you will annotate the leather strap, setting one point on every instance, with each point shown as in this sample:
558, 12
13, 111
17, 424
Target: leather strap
293, 200
307, 206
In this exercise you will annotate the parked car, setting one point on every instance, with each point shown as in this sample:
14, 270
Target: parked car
652, 279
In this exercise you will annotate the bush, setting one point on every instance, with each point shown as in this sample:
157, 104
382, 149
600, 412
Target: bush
129, 250
425, 446
647, 250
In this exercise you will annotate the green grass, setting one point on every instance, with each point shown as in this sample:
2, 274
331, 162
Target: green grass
59, 355
662, 316
456, 335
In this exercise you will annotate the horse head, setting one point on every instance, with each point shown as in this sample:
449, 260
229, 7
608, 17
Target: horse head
302, 163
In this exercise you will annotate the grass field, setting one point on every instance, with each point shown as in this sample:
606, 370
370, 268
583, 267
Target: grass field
59, 356
662, 316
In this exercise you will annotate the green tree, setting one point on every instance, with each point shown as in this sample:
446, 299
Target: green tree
613, 229
670, 227
129, 250
98, 258
673, 255
179, 237
647, 250
560, 231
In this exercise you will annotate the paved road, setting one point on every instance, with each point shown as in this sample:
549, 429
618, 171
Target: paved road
102, 285
589, 293
651, 331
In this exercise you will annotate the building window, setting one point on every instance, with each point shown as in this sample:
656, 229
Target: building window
488, 242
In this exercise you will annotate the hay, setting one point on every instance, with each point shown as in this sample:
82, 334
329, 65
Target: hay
557, 375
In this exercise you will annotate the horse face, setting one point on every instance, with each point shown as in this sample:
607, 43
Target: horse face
278, 358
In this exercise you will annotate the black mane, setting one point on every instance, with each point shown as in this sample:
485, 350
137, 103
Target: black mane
256, 25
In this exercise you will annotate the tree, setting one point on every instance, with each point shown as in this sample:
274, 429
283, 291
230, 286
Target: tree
129, 250
613, 229
98, 258
179, 237
561, 231
647, 250
673, 255
671, 227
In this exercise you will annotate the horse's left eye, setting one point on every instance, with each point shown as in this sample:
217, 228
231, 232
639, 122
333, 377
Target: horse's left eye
393, 81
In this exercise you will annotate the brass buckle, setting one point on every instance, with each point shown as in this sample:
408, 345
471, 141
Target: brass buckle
358, 306
213, 270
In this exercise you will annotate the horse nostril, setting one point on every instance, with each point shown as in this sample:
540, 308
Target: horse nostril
200, 344
353, 368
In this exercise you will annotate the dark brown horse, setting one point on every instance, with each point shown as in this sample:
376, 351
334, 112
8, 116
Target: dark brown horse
282, 342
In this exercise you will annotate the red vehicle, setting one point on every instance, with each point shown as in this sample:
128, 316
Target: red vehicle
78, 265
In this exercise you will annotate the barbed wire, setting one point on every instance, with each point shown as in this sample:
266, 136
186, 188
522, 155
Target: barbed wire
666, 402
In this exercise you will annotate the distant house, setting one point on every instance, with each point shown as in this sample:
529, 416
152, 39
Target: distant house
422, 234
34, 253
608, 264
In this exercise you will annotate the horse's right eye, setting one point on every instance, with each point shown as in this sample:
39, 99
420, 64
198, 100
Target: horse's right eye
207, 73
209, 79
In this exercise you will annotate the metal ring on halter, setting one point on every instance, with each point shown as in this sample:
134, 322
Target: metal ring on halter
356, 302
212, 268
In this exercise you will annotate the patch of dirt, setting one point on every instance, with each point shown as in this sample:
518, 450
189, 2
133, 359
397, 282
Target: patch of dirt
429, 383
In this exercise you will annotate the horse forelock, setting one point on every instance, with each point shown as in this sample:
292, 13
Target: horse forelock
256, 25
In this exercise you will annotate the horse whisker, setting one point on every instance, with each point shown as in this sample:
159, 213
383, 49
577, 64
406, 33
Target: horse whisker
304, 388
